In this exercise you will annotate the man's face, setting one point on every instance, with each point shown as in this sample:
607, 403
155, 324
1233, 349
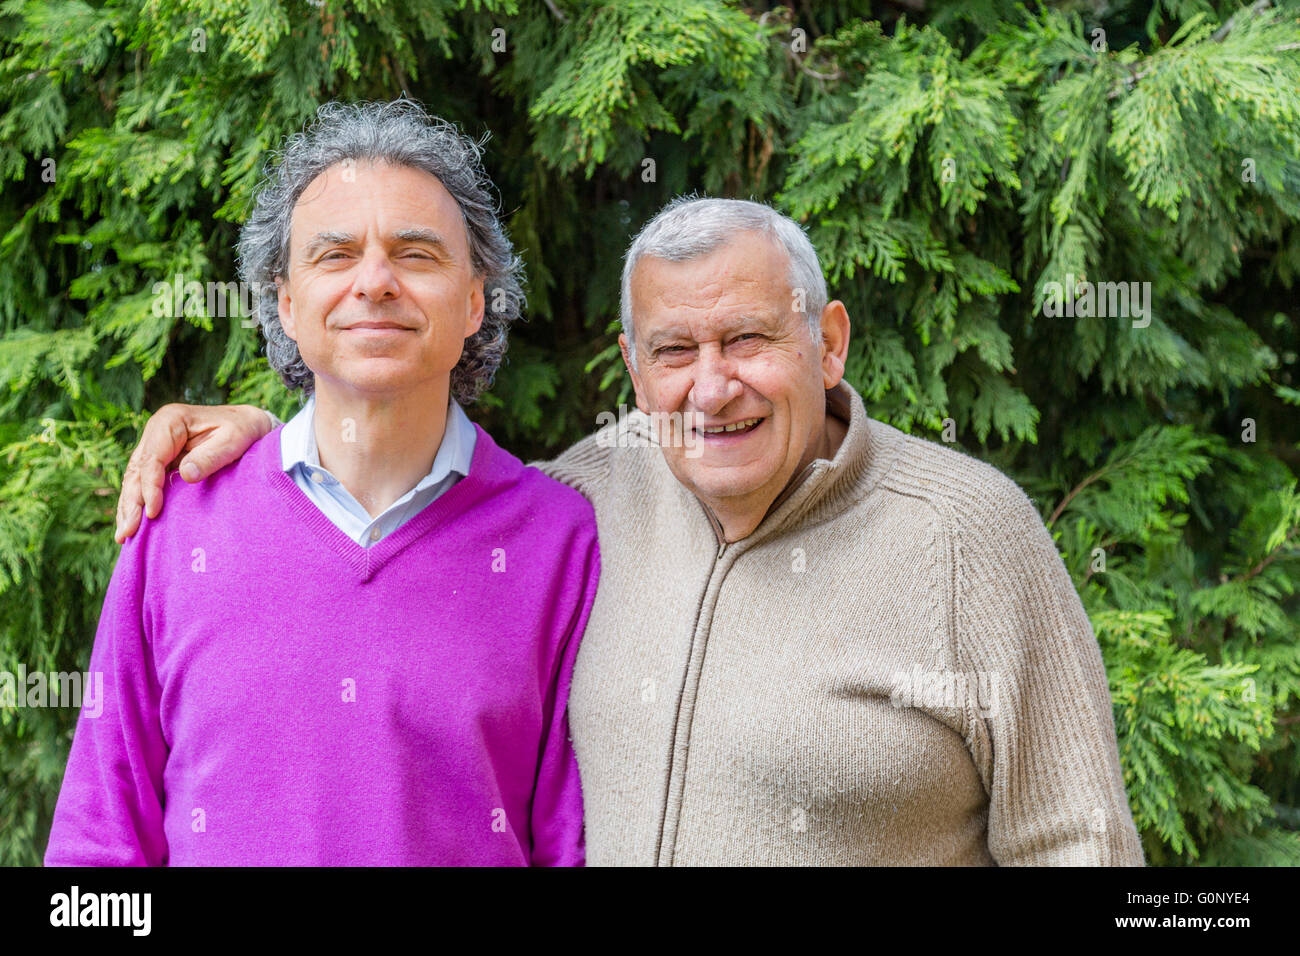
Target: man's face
718, 340
380, 293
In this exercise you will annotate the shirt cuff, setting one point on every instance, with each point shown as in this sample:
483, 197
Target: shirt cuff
275, 422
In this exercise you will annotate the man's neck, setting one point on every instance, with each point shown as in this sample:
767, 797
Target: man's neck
379, 448
740, 522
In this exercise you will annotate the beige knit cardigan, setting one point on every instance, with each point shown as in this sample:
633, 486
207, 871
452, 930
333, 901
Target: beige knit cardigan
892, 669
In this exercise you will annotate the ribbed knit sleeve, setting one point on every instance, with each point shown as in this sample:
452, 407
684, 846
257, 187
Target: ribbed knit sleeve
110, 808
1046, 748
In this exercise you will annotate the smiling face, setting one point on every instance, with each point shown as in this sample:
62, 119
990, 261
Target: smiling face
380, 292
719, 341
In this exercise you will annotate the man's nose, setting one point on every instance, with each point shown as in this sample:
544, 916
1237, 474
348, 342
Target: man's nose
715, 383
375, 277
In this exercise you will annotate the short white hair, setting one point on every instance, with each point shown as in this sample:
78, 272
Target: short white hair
690, 227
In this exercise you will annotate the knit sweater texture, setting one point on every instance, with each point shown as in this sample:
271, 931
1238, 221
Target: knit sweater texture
276, 694
893, 669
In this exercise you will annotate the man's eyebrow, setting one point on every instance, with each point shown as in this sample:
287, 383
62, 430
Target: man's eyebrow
663, 335
427, 236
329, 238
322, 239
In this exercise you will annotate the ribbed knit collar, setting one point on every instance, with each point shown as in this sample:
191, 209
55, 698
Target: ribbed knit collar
825, 487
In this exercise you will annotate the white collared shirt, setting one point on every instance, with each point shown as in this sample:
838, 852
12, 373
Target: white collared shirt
299, 457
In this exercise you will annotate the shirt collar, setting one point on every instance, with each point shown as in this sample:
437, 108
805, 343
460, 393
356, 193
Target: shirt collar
298, 444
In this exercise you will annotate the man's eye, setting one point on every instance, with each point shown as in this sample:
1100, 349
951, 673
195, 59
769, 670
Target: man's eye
331, 255
747, 335
668, 349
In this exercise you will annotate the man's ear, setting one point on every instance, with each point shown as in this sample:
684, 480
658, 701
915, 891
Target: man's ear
625, 346
835, 342
477, 304
285, 306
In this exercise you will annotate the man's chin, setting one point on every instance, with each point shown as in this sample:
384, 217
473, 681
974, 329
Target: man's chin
714, 484
377, 378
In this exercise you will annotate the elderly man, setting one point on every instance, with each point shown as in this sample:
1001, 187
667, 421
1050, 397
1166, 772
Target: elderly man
353, 647
816, 640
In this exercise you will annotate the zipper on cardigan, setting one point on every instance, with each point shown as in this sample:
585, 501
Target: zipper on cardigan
678, 732
673, 769
695, 635
716, 525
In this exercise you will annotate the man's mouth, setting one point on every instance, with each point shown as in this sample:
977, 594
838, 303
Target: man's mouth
732, 429
377, 326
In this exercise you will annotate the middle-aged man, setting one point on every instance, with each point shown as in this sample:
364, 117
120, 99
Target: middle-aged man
816, 639
353, 647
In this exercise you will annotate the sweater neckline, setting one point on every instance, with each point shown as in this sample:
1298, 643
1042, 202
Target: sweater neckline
366, 562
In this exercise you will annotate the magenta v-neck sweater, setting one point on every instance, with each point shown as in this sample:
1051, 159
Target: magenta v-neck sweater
276, 694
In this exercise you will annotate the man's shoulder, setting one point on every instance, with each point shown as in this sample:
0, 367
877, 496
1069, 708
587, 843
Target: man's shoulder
198, 518
533, 490
560, 500
619, 448
965, 487
224, 493
996, 537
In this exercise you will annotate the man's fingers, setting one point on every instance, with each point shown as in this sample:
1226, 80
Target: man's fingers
217, 449
152, 474
128, 505
127, 522
159, 447
207, 459
164, 437
215, 437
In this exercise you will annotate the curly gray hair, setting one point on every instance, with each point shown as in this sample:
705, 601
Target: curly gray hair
400, 133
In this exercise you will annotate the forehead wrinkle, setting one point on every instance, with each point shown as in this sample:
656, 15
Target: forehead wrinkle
705, 287
708, 292
727, 305
427, 206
